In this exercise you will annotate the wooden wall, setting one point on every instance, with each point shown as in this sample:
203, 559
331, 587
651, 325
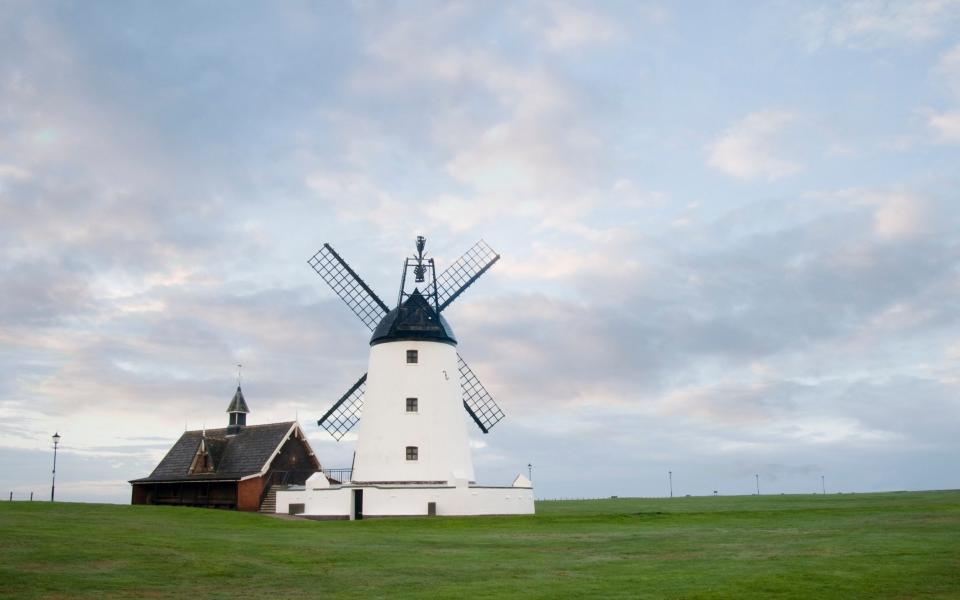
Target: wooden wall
294, 460
187, 493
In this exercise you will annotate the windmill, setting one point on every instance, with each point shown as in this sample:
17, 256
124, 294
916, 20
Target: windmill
437, 293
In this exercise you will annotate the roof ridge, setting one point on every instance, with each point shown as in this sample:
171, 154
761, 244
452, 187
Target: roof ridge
208, 430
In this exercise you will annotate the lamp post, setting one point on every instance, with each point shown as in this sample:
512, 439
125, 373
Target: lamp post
53, 482
823, 486
670, 475
757, 475
530, 471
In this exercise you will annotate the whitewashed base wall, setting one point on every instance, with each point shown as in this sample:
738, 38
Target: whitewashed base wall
337, 501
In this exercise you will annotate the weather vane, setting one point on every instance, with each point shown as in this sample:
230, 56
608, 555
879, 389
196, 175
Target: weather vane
419, 271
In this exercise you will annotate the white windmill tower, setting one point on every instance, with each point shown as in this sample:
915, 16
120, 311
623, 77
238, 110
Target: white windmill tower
412, 443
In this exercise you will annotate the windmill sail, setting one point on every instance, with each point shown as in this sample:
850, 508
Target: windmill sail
477, 400
348, 285
345, 413
463, 272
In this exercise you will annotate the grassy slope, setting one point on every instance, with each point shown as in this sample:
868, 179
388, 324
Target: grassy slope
903, 545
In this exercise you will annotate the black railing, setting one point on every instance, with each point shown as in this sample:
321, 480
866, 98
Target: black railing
279, 478
339, 475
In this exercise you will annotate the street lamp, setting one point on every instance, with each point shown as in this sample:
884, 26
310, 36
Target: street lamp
53, 482
530, 471
757, 475
823, 486
670, 475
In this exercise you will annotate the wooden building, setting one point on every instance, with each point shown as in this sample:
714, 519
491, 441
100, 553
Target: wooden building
233, 468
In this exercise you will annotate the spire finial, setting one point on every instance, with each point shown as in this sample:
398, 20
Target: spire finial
239, 374
419, 270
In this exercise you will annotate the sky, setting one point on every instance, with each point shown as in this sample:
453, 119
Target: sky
729, 232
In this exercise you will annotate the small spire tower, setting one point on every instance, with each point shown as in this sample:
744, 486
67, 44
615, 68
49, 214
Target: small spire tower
238, 409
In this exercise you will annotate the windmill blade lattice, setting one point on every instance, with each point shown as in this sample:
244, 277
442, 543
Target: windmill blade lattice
477, 400
463, 272
345, 413
347, 284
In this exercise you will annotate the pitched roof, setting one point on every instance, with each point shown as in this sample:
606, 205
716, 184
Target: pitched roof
238, 404
246, 453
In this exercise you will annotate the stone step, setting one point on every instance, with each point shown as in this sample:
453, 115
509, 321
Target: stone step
269, 504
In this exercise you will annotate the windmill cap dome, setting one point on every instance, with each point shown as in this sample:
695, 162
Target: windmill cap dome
416, 320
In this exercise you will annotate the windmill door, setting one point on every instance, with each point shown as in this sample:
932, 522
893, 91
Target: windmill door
358, 505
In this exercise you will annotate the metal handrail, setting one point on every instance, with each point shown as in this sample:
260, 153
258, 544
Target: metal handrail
284, 477
340, 474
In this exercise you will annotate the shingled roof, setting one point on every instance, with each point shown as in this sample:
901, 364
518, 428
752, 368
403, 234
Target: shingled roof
246, 453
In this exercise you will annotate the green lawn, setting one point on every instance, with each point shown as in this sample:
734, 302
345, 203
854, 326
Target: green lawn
896, 545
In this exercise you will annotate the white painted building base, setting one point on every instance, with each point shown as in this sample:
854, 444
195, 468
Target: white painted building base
385, 500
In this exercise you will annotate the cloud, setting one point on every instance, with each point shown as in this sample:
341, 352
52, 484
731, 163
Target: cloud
877, 23
733, 403
593, 261
506, 138
812, 295
899, 216
13, 173
946, 124
948, 70
573, 27
747, 150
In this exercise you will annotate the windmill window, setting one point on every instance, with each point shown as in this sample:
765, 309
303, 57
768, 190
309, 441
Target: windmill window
412, 357
412, 405
412, 452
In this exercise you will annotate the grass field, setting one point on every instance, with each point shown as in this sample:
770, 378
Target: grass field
896, 545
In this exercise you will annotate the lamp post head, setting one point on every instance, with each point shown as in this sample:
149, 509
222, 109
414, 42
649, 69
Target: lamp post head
56, 438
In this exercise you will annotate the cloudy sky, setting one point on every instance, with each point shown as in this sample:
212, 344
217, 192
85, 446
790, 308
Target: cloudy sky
729, 233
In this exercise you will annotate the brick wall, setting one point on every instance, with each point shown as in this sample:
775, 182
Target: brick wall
248, 494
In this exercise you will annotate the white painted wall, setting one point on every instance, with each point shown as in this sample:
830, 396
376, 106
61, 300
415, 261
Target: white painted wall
324, 502
438, 429
408, 500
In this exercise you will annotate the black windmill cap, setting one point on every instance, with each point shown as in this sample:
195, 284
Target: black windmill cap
238, 404
414, 320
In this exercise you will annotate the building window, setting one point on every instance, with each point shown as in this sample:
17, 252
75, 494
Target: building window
412, 452
411, 405
412, 357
